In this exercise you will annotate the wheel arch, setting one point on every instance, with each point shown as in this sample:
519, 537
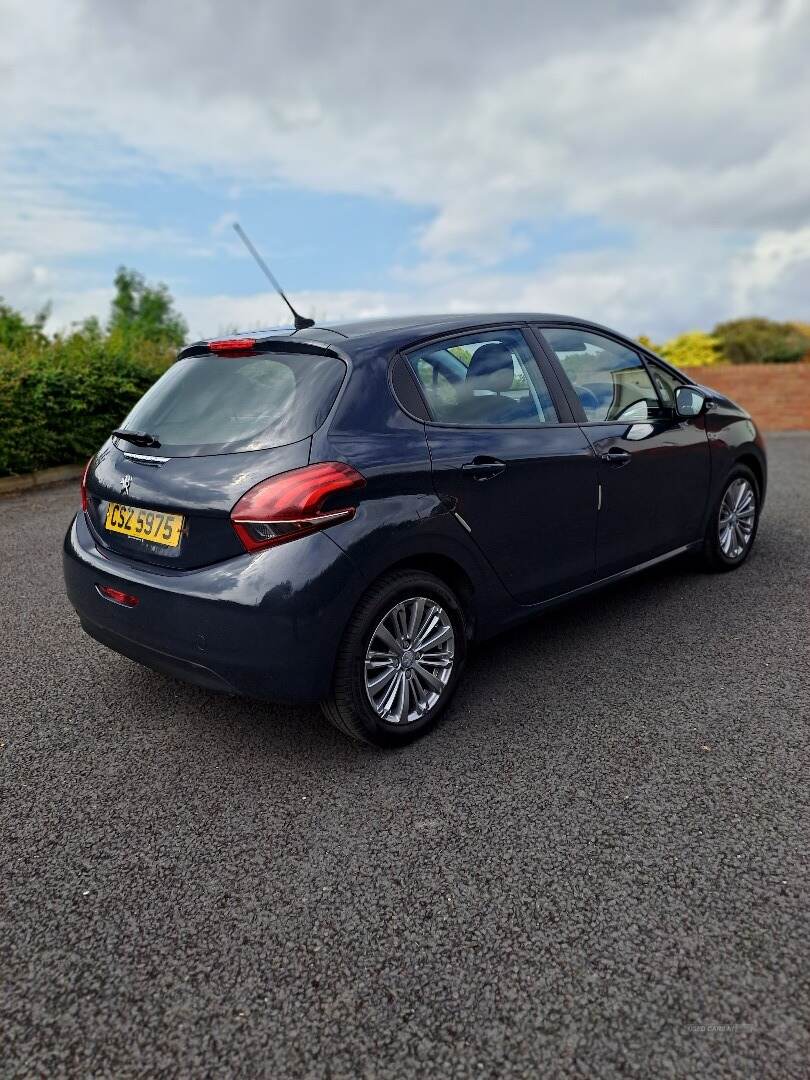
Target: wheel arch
446, 569
752, 462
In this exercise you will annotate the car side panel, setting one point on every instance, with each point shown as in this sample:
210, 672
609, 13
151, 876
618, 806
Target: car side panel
400, 516
733, 436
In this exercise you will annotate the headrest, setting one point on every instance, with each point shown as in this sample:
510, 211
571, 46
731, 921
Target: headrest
491, 368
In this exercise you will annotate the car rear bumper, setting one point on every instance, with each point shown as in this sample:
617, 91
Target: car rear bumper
264, 625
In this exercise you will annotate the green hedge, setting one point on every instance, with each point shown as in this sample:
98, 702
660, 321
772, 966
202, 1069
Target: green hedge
60, 399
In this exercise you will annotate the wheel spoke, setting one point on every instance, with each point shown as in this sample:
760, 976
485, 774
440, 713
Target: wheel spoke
400, 621
420, 695
387, 704
404, 701
442, 634
433, 682
429, 610
426, 629
387, 637
374, 656
436, 660
417, 608
381, 680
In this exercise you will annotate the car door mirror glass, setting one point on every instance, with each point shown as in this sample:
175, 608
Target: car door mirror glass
689, 401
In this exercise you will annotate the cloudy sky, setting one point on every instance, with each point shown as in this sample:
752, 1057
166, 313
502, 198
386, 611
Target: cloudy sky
643, 163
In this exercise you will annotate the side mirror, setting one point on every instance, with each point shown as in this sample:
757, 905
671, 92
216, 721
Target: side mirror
689, 401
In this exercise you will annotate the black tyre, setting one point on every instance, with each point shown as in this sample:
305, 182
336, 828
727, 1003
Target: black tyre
400, 660
733, 522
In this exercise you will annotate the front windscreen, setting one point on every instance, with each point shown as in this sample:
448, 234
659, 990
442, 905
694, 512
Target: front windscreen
217, 405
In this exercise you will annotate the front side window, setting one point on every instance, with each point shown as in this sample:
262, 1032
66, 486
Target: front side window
665, 383
489, 379
609, 379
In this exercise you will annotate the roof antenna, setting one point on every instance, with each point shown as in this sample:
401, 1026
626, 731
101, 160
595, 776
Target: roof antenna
301, 323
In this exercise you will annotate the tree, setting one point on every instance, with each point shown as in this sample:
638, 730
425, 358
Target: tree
761, 341
144, 312
16, 332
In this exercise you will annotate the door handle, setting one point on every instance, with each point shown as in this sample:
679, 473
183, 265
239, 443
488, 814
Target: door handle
484, 468
616, 456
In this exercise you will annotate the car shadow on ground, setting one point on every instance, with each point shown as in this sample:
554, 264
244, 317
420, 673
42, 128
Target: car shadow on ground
554, 642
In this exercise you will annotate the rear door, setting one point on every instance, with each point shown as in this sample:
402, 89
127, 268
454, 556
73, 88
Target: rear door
219, 424
523, 483
653, 466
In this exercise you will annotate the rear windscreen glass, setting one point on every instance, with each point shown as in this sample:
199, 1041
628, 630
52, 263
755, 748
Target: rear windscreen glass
218, 405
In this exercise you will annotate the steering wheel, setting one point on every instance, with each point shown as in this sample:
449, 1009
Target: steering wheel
587, 397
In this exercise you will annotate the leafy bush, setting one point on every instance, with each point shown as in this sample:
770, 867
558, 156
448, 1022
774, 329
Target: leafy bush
760, 341
60, 400
692, 349
61, 397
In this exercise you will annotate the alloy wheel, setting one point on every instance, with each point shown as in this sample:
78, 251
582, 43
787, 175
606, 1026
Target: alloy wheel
737, 518
409, 660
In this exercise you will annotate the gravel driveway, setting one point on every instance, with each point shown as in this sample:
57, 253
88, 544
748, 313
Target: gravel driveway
596, 866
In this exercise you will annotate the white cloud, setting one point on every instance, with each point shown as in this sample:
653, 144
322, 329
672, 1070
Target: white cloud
18, 271
682, 123
774, 273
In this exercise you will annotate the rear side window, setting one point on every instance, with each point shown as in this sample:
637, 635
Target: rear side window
218, 405
609, 379
489, 379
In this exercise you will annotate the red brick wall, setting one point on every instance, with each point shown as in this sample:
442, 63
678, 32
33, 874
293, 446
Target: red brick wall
776, 395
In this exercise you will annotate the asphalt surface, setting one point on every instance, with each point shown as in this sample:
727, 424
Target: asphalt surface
597, 866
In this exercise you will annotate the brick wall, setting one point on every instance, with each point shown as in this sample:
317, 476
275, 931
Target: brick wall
776, 395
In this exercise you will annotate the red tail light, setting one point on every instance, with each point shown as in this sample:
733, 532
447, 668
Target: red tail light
229, 346
291, 505
84, 483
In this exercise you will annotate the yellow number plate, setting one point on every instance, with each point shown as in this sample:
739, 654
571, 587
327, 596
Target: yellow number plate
151, 525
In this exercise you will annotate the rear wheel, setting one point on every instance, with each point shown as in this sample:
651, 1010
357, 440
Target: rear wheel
733, 522
400, 660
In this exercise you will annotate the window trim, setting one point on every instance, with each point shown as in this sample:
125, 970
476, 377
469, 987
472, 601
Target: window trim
558, 399
571, 395
400, 360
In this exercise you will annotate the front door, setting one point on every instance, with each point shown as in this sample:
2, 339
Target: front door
524, 485
653, 466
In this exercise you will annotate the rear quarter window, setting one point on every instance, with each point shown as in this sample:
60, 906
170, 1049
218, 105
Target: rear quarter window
213, 404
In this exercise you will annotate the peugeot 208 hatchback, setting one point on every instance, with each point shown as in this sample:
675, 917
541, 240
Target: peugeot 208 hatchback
333, 514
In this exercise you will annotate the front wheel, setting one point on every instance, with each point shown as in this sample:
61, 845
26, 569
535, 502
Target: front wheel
400, 660
733, 522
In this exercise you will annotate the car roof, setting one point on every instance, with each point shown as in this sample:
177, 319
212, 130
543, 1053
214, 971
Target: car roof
400, 330
423, 325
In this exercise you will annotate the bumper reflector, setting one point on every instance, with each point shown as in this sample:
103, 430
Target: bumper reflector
117, 597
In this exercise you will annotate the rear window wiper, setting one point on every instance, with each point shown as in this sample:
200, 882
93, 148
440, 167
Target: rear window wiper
137, 438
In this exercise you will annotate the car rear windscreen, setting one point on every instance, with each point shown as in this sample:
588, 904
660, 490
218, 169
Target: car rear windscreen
218, 405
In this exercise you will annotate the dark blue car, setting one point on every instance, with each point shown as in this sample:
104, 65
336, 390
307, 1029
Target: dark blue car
334, 514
